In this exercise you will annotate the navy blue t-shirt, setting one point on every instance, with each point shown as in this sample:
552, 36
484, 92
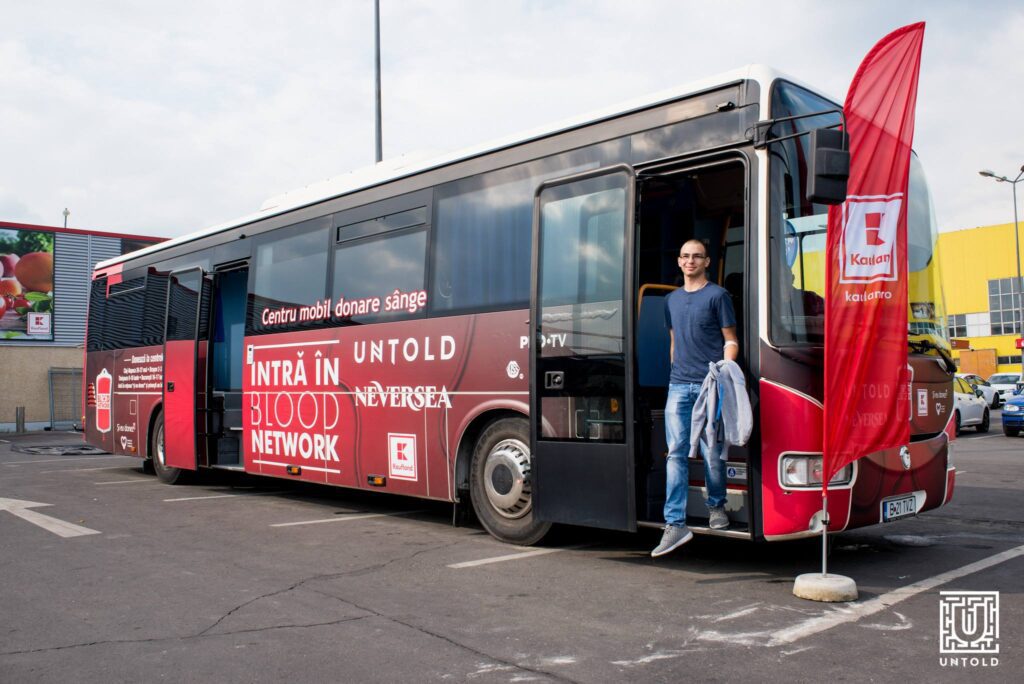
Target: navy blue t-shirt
696, 320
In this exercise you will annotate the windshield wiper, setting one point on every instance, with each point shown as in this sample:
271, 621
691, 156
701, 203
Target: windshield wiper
924, 345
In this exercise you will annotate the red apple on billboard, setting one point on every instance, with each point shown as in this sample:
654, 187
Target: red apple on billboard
10, 286
35, 271
8, 262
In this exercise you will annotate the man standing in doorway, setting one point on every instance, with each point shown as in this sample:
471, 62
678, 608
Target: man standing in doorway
702, 330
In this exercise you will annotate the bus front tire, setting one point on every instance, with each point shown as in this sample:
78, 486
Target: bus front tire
165, 473
500, 486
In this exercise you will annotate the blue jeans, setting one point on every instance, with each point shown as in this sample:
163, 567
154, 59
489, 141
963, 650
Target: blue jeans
678, 411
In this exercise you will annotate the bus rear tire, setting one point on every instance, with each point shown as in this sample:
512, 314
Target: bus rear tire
499, 483
165, 473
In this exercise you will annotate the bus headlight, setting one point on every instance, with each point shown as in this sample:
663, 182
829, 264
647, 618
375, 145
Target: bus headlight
805, 471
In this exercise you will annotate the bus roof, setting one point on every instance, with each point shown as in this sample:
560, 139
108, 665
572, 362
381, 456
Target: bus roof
410, 165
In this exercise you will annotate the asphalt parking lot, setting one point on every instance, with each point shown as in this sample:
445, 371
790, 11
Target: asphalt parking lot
121, 578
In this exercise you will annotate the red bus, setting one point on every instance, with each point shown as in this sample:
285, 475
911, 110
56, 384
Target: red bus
488, 327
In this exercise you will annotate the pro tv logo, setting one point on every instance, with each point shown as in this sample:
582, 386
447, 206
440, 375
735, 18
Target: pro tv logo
867, 249
969, 625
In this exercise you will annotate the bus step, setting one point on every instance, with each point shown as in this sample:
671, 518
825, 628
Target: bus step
735, 531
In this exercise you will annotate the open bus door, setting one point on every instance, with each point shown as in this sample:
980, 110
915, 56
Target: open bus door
581, 371
186, 292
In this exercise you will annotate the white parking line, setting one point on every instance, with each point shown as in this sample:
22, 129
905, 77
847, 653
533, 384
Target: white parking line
61, 528
854, 612
509, 557
68, 458
138, 479
200, 498
344, 518
80, 470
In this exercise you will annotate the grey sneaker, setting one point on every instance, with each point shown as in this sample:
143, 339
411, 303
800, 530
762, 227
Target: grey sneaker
718, 520
672, 539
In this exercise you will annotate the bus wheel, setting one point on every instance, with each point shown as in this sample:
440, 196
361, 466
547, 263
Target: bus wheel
499, 483
164, 472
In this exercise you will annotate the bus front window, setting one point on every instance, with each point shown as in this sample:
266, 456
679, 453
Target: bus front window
796, 245
796, 267
927, 315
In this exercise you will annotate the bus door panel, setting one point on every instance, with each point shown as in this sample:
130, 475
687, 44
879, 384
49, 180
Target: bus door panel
187, 300
581, 398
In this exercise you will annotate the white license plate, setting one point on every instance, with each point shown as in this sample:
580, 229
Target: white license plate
899, 507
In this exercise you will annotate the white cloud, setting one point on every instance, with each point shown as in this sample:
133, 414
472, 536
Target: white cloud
164, 119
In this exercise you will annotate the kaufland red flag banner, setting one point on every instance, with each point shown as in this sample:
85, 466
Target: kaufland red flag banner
867, 393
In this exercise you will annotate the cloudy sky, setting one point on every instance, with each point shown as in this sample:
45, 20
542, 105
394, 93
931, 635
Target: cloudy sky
164, 118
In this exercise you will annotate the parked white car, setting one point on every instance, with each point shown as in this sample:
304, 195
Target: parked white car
990, 393
1005, 384
971, 409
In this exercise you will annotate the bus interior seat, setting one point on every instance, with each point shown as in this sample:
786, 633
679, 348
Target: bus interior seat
652, 339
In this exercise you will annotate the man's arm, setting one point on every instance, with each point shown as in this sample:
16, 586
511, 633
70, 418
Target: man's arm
732, 344
671, 346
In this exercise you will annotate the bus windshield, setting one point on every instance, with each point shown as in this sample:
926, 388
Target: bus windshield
797, 236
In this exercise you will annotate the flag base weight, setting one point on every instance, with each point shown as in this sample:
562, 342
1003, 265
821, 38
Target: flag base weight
815, 586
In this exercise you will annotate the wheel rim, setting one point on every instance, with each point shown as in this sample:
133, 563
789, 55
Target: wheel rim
507, 479
160, 446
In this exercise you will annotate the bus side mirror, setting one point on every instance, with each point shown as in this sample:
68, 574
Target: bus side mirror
828, 167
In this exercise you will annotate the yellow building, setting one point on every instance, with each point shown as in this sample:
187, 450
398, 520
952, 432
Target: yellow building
979, 272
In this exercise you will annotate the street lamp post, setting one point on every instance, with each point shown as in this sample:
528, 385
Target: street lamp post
1016, 238
376, 71
66, 214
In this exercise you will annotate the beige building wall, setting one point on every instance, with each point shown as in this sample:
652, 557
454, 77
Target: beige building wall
24, 380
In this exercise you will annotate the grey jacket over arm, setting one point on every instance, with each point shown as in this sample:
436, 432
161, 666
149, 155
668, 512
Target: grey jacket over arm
722, 415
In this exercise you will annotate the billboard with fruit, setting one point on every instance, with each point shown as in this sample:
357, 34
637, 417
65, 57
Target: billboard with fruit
26, 285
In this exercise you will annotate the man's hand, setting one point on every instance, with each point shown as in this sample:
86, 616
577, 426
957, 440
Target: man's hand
732, 344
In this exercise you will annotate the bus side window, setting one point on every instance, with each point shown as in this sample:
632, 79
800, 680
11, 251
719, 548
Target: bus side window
123, 320
289, 272
97, 340
387, 270
154, 308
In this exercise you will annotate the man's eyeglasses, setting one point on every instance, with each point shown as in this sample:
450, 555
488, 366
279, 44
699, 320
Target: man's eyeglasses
693, 257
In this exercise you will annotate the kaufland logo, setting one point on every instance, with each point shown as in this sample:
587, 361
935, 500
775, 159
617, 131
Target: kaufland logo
402, 456
868, 247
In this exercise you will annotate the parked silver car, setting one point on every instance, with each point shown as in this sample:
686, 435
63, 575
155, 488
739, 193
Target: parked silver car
990, 393
970, 408
1005, 384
